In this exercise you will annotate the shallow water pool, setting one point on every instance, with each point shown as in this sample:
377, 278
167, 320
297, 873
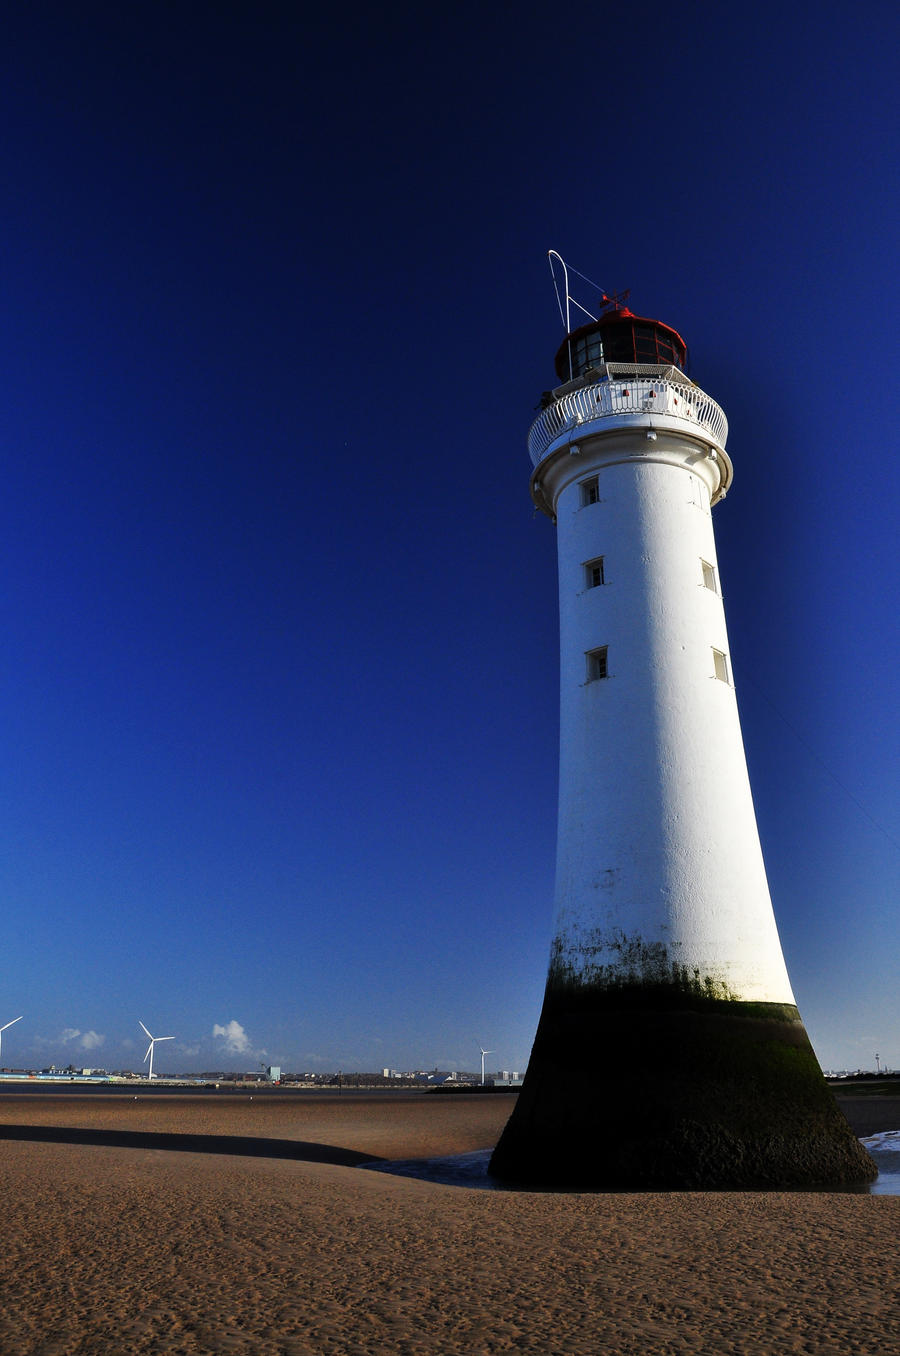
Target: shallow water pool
885, 1149
471, 1170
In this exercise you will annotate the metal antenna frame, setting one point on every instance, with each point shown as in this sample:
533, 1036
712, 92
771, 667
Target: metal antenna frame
566, 315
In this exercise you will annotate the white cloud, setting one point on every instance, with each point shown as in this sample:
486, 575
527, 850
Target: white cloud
86, 1040
235, 1037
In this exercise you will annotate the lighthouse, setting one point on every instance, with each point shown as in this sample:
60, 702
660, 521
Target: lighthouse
670, 1052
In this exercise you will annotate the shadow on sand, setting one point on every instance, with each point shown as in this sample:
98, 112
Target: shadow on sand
251, 1146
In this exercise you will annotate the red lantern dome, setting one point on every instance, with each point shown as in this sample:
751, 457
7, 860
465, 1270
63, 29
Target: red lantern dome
619, 336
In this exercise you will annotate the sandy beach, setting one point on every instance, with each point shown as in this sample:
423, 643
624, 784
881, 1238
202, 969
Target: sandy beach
258, 1234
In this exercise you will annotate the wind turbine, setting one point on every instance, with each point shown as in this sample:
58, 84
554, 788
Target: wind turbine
3, 1028
153, 1040
483, 1053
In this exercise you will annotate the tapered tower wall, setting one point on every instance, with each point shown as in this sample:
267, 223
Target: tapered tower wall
659, 863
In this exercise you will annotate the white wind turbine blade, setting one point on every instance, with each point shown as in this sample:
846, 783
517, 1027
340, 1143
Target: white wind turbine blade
144, 1029
159, 1038
3, 1028
147, 1056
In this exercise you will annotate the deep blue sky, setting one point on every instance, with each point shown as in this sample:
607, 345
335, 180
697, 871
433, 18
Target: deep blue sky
279, 681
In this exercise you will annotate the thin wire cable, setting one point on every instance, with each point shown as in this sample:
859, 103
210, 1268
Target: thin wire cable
588, 280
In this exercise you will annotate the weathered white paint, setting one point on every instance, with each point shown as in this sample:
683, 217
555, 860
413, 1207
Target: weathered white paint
658, 848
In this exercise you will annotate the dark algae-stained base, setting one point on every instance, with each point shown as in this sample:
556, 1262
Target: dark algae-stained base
650, 1087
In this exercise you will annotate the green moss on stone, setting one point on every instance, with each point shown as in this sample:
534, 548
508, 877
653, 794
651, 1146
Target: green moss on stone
617, 960
663, 1085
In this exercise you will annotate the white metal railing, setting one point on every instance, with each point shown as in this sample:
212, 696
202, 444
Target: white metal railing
625, 395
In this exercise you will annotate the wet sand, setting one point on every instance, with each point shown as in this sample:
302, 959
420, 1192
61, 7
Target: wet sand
136, 1245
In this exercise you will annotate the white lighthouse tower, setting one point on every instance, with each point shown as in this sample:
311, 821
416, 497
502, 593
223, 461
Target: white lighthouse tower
670, 1051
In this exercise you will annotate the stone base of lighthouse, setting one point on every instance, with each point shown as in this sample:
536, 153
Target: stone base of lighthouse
652, 1087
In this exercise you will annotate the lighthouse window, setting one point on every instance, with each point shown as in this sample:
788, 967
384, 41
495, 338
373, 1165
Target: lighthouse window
645, 344
720, 664
590, 492
586, 352
596, 664
667, 352
593, 573
709, 576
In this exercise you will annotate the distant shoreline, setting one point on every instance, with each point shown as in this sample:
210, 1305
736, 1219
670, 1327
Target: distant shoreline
871, 1108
